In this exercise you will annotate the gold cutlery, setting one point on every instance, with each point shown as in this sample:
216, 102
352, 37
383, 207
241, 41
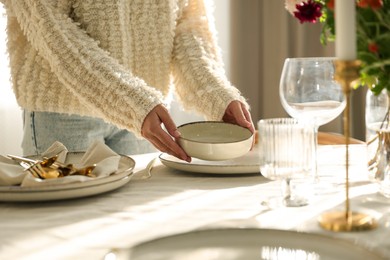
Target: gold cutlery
50, 168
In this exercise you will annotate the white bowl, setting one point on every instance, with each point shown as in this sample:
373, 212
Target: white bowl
214, 140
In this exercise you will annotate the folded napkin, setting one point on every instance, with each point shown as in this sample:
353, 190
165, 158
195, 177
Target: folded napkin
106, 161
10, 172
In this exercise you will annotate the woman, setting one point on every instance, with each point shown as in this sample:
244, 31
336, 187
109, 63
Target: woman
86, 70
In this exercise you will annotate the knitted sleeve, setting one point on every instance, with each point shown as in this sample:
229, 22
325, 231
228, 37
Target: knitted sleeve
89, 72
199, 75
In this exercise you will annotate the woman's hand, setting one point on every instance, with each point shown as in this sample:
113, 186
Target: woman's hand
161, 139
236, 113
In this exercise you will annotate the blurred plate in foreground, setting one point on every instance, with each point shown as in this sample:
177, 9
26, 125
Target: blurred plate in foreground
229, 244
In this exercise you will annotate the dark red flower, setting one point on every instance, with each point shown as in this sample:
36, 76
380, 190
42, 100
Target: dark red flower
373, 4
308, 11
373, 47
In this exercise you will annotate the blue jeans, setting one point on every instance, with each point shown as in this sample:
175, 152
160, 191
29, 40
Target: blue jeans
42, 129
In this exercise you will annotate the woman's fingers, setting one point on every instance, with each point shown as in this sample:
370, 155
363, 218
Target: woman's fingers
166, 119
161, 139
237, 113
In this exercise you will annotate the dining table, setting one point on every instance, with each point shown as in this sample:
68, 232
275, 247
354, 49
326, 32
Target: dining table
173, 200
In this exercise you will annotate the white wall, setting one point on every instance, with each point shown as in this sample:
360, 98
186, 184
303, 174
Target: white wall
10, 113
222, 23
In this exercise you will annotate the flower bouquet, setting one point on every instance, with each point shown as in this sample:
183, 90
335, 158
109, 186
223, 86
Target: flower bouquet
373, 34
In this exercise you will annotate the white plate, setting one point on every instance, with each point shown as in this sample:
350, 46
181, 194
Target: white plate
71, 190
249, 163
247, 244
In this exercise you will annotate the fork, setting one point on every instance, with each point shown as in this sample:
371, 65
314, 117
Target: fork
26, 166
32, 166
44, 172
46, 162
41, 172
36, 171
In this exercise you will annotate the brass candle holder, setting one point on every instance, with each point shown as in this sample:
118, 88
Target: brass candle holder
340, 221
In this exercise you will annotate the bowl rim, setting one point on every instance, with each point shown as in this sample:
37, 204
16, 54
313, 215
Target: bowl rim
215, 122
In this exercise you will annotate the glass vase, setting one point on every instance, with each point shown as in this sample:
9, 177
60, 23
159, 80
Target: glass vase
378, 139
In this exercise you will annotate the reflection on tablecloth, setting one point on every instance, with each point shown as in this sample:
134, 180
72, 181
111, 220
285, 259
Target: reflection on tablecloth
170, 202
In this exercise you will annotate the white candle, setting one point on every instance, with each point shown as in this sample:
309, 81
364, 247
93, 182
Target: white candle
345, 12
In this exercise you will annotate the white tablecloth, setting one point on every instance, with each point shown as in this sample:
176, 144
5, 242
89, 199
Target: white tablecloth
172, 202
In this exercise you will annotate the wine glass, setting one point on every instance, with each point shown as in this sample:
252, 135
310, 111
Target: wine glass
286, 149
309, 92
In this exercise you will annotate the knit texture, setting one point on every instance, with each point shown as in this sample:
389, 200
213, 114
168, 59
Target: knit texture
115, 60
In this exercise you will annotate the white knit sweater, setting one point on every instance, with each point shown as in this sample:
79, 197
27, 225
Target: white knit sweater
115, 59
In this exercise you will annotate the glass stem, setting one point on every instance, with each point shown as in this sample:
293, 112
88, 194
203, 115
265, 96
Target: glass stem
286, 191
315, 156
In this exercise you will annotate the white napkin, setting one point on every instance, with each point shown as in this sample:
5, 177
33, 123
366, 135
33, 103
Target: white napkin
106, 160
58, 149
10, 172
